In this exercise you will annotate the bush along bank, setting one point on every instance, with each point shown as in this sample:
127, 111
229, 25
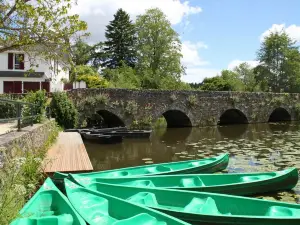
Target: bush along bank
21, 175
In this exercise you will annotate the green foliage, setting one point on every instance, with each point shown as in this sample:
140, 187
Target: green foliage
131, 108
45, 23
7, 110
122, 77
20, 176
144, 123
121, 41
278, 100
63, 110
192, 100
228, 81
39, 99
160, 123
247, 76
90, 76
81, 52
279, 69
158, 47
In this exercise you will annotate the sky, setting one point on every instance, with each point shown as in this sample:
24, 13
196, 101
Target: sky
215, 34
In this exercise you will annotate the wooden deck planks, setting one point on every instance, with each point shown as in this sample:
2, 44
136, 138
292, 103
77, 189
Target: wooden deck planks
68, 154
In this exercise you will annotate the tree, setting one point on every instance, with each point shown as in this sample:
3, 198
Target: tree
81, 52
158, 48
90, 76
228, 81
120, 44
42, 28
279, 63
247, 76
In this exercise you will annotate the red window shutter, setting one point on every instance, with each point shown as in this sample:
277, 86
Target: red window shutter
17, 86
22, 62
10, 61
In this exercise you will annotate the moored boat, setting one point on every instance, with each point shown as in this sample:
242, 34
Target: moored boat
98, 208
206, 208
48, 206
208, 165
236, 184
102, 139
131, 133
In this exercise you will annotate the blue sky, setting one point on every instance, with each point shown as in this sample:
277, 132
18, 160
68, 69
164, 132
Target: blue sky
215, 34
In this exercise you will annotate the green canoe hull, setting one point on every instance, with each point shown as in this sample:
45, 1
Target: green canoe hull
208, 165
207, 208
48, 207
235, 184
102, 209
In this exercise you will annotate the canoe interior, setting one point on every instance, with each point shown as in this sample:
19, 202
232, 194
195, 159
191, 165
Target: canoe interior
204, 180
191, 166
97, 208
201, 203
48, 207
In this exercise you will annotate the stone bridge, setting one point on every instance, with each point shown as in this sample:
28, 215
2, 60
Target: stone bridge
134, 108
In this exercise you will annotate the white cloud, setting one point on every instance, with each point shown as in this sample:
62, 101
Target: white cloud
191, 55
237, 62
195, 71
98, 13
293, 31
197, 74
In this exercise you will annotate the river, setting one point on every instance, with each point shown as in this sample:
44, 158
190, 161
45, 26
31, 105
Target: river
252, 148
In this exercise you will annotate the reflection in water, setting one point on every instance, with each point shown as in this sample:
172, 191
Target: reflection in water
237, 132
180, 134
253, 148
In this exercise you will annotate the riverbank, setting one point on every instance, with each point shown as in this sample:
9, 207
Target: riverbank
21, 173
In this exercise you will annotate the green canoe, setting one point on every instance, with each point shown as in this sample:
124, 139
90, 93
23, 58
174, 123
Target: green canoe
208, 165
236, 184
48, 207
102, 209
207, 208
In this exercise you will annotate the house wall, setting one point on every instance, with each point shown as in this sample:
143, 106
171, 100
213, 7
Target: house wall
43, 66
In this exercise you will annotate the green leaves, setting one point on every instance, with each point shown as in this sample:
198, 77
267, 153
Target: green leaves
44, 26
158, 47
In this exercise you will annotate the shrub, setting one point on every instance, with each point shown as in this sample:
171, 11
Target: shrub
93, 81
63, 110
20, 177
192, 100
7, 110
39, 100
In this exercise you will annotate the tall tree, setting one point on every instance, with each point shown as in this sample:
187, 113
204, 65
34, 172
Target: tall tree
120, 44
158, 48
81, 52
41, 27
279, 63
247, 76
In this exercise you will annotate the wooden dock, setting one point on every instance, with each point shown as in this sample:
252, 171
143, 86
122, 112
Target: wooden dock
68, 154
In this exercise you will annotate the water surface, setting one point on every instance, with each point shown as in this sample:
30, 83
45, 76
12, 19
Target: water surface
252, 148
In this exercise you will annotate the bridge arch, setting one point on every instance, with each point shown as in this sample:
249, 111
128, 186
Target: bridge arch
175, 118
279, 114
232, 116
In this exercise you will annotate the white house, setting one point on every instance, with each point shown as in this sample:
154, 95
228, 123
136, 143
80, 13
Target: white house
15, 78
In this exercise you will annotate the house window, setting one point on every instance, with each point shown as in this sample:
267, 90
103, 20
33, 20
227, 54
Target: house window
19, 60
15, 61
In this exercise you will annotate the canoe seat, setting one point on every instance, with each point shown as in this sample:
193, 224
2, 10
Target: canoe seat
279, 211
191, 182
142, 218
65, 219
142, 183
198, 205
119, 174
157, 169
144, 198
254, 178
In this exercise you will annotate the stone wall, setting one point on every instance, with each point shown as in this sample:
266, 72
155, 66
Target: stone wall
31, 137
199, 108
